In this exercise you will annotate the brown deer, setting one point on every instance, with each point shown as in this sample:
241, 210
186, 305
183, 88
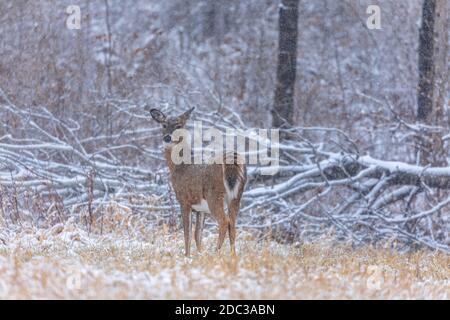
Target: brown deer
204, 188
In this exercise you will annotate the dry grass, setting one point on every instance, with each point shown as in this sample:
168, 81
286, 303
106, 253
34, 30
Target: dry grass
64, 262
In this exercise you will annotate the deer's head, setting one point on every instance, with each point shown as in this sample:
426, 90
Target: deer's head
170, 124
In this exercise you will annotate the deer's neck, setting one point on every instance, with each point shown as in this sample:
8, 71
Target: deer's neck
168, 156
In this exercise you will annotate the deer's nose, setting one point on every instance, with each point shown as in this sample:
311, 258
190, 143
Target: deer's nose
167, 138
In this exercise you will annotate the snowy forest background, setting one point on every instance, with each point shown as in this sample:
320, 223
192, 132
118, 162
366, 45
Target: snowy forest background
358, 162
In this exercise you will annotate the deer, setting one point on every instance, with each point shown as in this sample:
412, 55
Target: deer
206, 188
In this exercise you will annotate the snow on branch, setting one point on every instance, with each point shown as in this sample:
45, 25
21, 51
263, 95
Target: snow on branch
319, 187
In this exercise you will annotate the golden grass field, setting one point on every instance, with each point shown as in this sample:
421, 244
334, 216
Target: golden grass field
65, 262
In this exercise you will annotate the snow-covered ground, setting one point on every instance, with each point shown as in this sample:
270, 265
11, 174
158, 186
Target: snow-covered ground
65, 262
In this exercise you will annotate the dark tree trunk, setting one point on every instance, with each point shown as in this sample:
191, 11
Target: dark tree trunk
433, 48
283, 109
426, 45
215, 19
433, 78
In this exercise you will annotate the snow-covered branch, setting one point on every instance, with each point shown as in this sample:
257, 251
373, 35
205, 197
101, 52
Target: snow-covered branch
319, 186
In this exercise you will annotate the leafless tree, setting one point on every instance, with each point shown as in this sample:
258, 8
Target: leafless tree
283, 109
433, 78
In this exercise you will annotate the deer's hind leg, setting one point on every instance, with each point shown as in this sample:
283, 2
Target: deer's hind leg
233, 210
199, 224
223, 228
217, 210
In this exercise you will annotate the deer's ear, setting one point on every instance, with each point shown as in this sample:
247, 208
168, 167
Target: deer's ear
158, 115
185, 116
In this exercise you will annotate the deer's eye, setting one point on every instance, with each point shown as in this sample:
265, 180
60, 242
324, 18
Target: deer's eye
164, 126
177, 127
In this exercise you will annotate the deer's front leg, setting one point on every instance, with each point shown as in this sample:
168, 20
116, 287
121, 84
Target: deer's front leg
186, 213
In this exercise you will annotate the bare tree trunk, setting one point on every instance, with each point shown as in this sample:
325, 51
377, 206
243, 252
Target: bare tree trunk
108, 69
433, 78
283, 109
214, 20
